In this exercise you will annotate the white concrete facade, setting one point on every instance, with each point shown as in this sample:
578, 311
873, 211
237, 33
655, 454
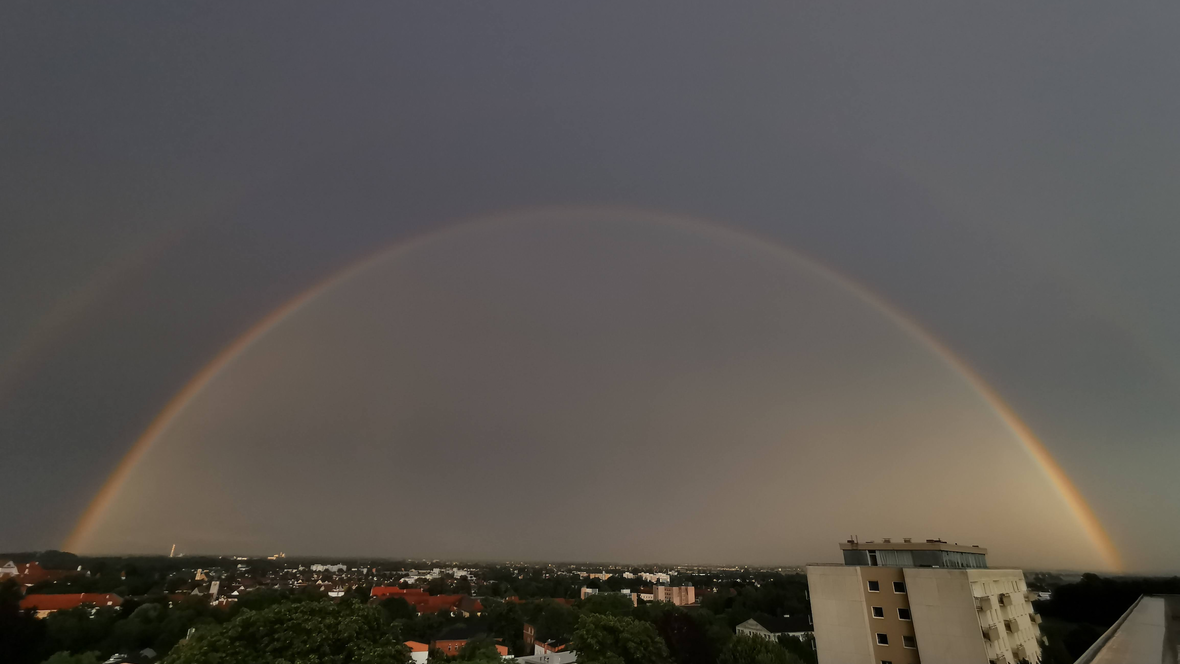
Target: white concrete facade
840, 615
957, 616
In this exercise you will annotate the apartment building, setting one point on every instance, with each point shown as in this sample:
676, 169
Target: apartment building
925, 602
678, 595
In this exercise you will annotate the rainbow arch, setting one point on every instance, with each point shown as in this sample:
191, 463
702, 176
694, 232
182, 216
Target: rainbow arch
1055, 474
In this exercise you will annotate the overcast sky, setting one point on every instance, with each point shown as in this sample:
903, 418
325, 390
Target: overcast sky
1004, 174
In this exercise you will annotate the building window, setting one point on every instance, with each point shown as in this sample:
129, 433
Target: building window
878, 612
909, 642
885, 661
903, 614
899, 587
874, 586
882, 639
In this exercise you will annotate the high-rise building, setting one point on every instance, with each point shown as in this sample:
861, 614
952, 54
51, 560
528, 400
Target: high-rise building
921, 603
678, 595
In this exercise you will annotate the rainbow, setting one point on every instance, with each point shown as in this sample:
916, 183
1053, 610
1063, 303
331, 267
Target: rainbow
1035, 448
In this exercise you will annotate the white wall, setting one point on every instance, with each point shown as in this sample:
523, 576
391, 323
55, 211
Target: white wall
944, 615
840, 615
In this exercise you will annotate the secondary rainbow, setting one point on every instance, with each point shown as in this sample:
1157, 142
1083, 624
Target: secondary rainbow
1035, 448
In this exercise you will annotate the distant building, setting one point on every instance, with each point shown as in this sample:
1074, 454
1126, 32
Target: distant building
7, 569
550, 658
419, 652
771, 629
329, 568
678, 595
422, 602
1148, 633
452, 639
530, 636
587, 592
381, 592
550, 647
929, 602
44, 605
32, 573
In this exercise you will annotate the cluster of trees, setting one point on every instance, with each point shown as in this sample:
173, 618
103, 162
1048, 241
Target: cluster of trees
135, 625
273, 625
606, 631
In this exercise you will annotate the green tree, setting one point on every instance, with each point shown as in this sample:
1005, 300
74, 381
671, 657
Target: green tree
553, 620
611, 604
313, 632
605, 639
800, 648
482, 651
21, 635
397, 608
64, 657
753, 650
505, 622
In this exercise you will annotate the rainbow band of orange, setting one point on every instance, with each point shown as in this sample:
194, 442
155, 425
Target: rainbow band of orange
1054, 473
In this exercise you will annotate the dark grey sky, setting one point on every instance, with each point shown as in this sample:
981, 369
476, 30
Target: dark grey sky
1004, 174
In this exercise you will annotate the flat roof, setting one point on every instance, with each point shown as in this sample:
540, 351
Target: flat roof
1148, 633
927, 545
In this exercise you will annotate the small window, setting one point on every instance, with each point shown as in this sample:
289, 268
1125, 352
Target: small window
878, 612
874, 586
909, 642
885, 661
899, 587
882, 639
903, 614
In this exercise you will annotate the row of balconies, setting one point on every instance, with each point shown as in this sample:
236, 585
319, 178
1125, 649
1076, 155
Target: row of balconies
1010, 600
992, 632
1020, 652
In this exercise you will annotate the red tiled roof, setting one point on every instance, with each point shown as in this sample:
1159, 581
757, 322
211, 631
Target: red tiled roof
389, 591
437, 603
31, 573
415, 646
71, 601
